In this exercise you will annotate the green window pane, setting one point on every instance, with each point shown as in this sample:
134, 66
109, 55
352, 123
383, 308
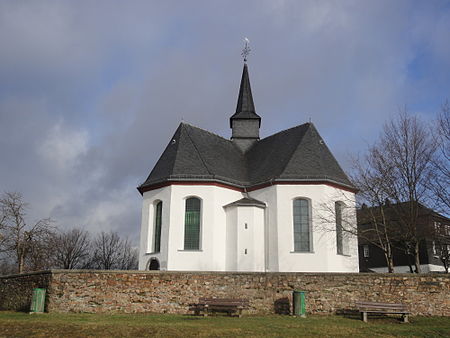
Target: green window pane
157, 237
302, 219
192, 224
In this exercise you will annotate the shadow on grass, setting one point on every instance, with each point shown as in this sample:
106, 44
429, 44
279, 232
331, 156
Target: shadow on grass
191, 317
349, 313
282, 306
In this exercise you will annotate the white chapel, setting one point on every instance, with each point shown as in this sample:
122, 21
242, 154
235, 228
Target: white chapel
275, 204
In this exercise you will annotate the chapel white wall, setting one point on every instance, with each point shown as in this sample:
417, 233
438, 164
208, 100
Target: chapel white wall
274, 234
212, 253
146, 247
324, 257
245, 242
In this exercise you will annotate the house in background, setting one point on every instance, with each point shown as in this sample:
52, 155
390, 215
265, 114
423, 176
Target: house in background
245, 203
433, 229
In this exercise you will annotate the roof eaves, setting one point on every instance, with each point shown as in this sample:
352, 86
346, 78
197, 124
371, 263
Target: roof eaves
247, 202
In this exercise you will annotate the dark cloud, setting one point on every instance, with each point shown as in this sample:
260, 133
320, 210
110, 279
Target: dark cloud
90, 92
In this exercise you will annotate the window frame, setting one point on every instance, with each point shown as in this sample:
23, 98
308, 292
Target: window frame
157, 249
342, 240
310, 226
200, 224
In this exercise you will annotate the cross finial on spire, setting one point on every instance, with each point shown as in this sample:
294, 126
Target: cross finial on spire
246, 50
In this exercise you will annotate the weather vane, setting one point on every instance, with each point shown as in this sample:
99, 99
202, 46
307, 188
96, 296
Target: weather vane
246, 50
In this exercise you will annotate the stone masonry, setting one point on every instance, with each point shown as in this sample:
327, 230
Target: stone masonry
16, 290
172, 292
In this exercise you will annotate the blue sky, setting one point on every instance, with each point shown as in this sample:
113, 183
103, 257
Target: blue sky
91, 92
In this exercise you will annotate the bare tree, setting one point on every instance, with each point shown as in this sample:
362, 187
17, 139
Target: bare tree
129, 257
441, 243
112, 252
374, 227
71, 249
441, 180
18, 238
401, 163
40, 255
444, 256
7, 265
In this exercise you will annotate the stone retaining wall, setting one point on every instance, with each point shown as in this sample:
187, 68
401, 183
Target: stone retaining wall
172, 292
16, 290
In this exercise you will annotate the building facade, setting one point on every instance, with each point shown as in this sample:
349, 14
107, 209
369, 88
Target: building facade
247, 204
432, 232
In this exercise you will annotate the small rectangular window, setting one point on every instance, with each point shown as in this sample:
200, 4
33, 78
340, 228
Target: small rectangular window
437, 227
366, 251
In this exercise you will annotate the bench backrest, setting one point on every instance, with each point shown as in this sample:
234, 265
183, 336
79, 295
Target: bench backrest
223, 301
381, 306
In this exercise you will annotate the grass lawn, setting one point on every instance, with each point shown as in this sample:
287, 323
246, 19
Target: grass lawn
15, 324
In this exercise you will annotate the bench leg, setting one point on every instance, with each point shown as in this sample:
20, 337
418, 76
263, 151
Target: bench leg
405, 318
364, 317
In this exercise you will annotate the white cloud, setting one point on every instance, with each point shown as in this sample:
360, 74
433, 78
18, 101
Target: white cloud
118, 78
63, 147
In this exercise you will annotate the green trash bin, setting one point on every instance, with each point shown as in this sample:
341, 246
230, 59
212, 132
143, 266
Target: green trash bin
300, 303
38, 301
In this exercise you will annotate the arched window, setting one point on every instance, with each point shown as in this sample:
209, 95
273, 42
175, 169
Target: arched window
302, 225
158, 221
338, 206
192, 224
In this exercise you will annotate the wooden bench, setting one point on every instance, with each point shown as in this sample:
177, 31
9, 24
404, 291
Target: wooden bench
227, 305
387, 308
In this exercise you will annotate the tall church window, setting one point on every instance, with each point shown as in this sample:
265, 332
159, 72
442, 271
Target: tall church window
302, 225
340, 236
158, 221
192, 224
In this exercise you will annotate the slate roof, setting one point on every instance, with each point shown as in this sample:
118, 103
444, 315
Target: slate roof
295, 154
247, 201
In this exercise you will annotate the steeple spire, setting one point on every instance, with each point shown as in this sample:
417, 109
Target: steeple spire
245, 122
245, 108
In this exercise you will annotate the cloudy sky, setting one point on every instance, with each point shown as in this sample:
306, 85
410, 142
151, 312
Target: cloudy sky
91, 91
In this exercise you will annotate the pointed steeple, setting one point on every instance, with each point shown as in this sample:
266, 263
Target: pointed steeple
245, 108
245, 122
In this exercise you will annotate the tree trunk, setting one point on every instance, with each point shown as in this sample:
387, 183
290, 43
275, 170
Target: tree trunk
390, 264
408, 255
21, 263
389, 259
416, 258
445, 263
